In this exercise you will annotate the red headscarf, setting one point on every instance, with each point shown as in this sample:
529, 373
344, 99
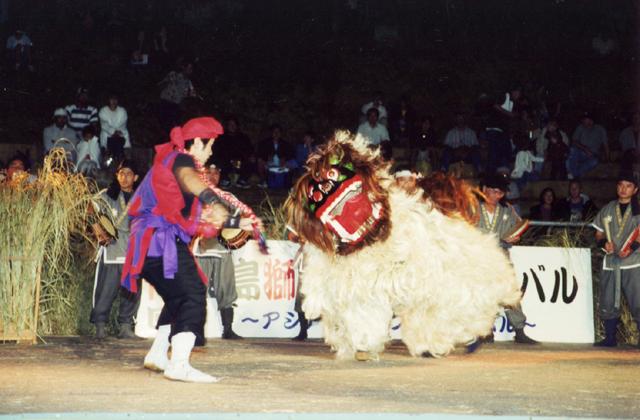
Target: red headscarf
202, 127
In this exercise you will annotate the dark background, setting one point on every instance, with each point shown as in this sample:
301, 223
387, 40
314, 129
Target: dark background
312, 64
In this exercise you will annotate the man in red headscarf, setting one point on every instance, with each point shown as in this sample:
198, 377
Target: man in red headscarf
172, 204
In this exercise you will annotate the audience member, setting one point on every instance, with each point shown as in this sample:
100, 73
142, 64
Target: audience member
557, 153
377, 103
305, 148
424, 150
402, 123
233, 155
89, 155
114, 136
461, 144
523, 165
60, 130
273, 152
578, 206
629, 143
81, 114
176, 86
374, 133
19, 50
587, 141
547, 209
18, 164
500, 115
543, 140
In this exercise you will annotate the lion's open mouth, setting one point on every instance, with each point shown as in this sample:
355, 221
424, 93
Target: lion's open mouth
348, 212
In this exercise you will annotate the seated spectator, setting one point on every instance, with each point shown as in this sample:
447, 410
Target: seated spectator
547, 209
305, 148
19, 50
18, 164
629, 144
402, 122
587, 141
89, 155
424, 149
60, 130
374, 133
114, 136
578, 206
81, 114
523, 166
377, 103
273, 152
233, 155
557, 153
176, 86
461, 144
542, 141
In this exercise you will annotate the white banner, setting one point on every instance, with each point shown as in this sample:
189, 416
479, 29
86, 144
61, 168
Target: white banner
266, 286
558, 297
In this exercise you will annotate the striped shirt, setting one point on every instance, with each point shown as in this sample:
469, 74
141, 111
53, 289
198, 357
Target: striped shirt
78, 118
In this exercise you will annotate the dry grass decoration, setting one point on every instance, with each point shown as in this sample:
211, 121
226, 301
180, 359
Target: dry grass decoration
44, 250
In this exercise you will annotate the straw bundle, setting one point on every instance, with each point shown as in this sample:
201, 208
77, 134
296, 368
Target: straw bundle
38, 223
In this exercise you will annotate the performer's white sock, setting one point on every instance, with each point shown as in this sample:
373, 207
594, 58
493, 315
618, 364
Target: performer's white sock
157, 359
179, 368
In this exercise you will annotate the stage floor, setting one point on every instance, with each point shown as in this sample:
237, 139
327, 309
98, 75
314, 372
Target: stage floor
79, 374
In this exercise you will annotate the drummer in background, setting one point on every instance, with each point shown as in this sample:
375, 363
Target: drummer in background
217, 264
111, 257
273, 152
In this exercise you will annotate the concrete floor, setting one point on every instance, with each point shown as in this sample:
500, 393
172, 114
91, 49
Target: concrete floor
79, 374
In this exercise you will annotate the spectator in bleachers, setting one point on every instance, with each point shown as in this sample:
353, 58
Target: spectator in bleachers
176, 86
377, 103
305, 148
233, 154
273, 152
81, 114
18, 164
89, 154
461, 144
629, 143
402, 122
542, 141
374, 133
114, 135
557, 154
547, 209
60, 130
523, 165
424, 149
578, 206
589, 141
19, 50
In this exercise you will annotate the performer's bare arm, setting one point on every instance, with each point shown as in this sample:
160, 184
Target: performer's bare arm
190, 181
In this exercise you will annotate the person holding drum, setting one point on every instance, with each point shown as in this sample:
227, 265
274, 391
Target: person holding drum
114, 240
172, 205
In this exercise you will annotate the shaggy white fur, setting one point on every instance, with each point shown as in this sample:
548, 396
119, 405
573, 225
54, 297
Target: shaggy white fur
445, 279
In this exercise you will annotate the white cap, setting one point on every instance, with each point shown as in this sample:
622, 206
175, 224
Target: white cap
60, 112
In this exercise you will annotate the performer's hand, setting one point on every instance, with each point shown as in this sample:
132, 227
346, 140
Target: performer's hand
625, 253
608, 247
216, 214
247, 224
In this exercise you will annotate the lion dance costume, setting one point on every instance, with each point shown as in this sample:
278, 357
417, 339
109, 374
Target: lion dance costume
373, 250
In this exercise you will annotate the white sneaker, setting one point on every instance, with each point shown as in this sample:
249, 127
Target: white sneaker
186, 373
156, 358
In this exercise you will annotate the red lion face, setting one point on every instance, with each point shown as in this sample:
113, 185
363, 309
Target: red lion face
338, 204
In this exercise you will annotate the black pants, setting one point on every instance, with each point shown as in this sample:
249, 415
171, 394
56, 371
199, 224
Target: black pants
184, 296
107, 288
